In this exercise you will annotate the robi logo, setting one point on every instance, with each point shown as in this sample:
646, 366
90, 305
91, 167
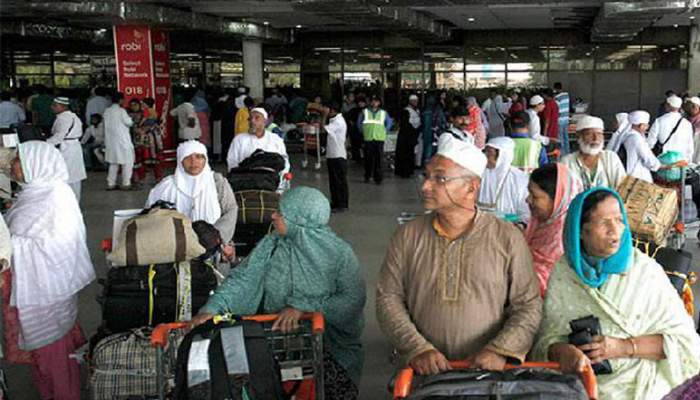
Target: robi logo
159, 47
133, 46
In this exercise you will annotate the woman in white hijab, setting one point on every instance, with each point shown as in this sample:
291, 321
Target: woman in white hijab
503, 188
620, 125
197, 191
50, 265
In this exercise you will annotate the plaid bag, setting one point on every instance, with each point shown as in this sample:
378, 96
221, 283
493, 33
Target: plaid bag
256, 206
123, 365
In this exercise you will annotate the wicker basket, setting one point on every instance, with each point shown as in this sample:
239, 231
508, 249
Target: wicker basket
651, 209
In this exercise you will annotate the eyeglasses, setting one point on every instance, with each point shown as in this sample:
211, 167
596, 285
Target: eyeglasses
441, 180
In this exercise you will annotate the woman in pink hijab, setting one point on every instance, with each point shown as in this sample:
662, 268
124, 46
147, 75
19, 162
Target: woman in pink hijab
551, 189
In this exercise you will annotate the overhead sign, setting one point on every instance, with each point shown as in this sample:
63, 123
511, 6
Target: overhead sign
132, 48
162, 83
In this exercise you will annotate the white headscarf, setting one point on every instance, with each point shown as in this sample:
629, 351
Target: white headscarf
493, 179
619, 135
51, 261
194, 196
463, 153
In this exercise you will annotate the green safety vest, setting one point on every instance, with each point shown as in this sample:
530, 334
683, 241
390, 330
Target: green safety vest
527, 154
373, 127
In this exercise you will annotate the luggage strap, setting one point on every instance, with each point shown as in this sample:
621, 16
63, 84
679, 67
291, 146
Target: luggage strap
151, 275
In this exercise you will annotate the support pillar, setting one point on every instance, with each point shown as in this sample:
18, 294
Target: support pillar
253, 67
694, 59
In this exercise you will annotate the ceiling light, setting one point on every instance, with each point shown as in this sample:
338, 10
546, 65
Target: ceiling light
692, 17
266, 23
471, 19
298, 26
675, 25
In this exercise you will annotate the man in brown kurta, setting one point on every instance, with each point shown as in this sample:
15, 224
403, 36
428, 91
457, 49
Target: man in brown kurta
458, 283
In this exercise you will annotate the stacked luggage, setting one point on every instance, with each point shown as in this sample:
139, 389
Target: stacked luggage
158, 274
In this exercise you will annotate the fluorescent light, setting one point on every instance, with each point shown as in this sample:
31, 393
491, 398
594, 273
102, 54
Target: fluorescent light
692, 17
470, 19
266, 23
298, 26
675, 25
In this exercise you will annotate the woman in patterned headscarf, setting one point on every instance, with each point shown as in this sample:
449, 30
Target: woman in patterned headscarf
301, 267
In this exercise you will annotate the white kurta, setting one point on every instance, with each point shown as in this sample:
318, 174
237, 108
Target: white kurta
681, 141
184, 112
245, 144
119, 148
535, 128
504, 188
65, 134
640, 159
609, 172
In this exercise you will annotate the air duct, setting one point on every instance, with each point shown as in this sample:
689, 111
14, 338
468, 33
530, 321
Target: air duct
622, 21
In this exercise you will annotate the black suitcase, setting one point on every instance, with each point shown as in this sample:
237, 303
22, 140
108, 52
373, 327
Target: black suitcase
677, 264
132, 300
247, 236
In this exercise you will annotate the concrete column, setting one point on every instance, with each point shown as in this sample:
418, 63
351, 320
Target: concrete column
694, 59
253, 67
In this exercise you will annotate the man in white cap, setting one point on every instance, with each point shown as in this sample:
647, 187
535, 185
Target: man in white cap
634, 151
504, 188
693, 115
245, 144
65, 135
672, 132
534, 127
457, 283
409, 133
593, 165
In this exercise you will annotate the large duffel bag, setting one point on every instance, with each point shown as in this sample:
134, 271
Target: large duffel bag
651, 209
137, 296
159, 236
256, 206
229, 360
123, 365
260, 171
521, 384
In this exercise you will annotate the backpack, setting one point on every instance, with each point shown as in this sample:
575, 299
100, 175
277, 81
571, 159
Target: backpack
260, 171
233, 372
659, 147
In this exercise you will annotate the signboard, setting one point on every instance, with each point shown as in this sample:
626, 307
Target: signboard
162, 84
132, 48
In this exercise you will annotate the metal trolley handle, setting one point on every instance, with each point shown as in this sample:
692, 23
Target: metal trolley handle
404, 380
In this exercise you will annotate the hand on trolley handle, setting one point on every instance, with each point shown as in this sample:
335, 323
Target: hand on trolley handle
287, 320
404, 379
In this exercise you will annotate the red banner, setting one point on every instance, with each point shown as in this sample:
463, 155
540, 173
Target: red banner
132, 47
162, 86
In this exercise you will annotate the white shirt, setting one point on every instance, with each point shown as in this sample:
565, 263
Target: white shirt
414, 117
65, 134
10, 113
245, 144
96, 105
609, 172
681, 141
337, 130
184, 112
95, 132
640, 159
119, 148
535, 128
510, 194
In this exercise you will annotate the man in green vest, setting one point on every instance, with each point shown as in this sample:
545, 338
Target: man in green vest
529, 153
374, 123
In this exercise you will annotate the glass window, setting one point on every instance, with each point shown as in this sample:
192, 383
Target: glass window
72, 81
572, 58
282, 58
362, 59
412, 80
31, 80
663, 57
527, 80
524, 58
406, 59
449, 80
282, 79
485, 79
617, 57
493, 56
444, 58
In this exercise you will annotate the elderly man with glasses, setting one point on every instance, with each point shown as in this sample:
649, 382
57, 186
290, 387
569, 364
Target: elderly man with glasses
457, 283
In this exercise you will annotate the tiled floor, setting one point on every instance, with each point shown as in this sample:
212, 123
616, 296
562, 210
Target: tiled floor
367, 226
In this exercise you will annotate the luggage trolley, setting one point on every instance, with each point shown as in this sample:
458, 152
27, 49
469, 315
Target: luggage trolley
299, 354
392, 138
451, 385
312, 141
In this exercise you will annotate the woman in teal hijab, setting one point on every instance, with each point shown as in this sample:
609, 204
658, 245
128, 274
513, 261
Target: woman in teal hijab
647, 336
301, 267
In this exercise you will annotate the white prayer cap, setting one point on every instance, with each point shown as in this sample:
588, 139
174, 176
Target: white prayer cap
639, 117
241, 90
590, 122
695, 100
674, 101
412, 97
62, 100
502, 143
536, 99
259, 110
463, 153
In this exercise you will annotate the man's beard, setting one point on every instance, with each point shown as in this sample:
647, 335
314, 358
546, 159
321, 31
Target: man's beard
589, 149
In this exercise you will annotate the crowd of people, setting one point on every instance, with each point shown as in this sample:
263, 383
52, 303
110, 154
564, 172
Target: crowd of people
516, 244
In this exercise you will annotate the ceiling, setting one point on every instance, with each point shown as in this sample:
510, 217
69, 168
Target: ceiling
425, 20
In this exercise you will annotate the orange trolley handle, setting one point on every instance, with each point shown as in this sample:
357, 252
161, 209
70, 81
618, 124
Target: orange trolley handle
404, 380
159, 338
679, 164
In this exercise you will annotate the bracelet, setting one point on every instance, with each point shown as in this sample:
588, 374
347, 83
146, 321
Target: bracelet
634, 347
